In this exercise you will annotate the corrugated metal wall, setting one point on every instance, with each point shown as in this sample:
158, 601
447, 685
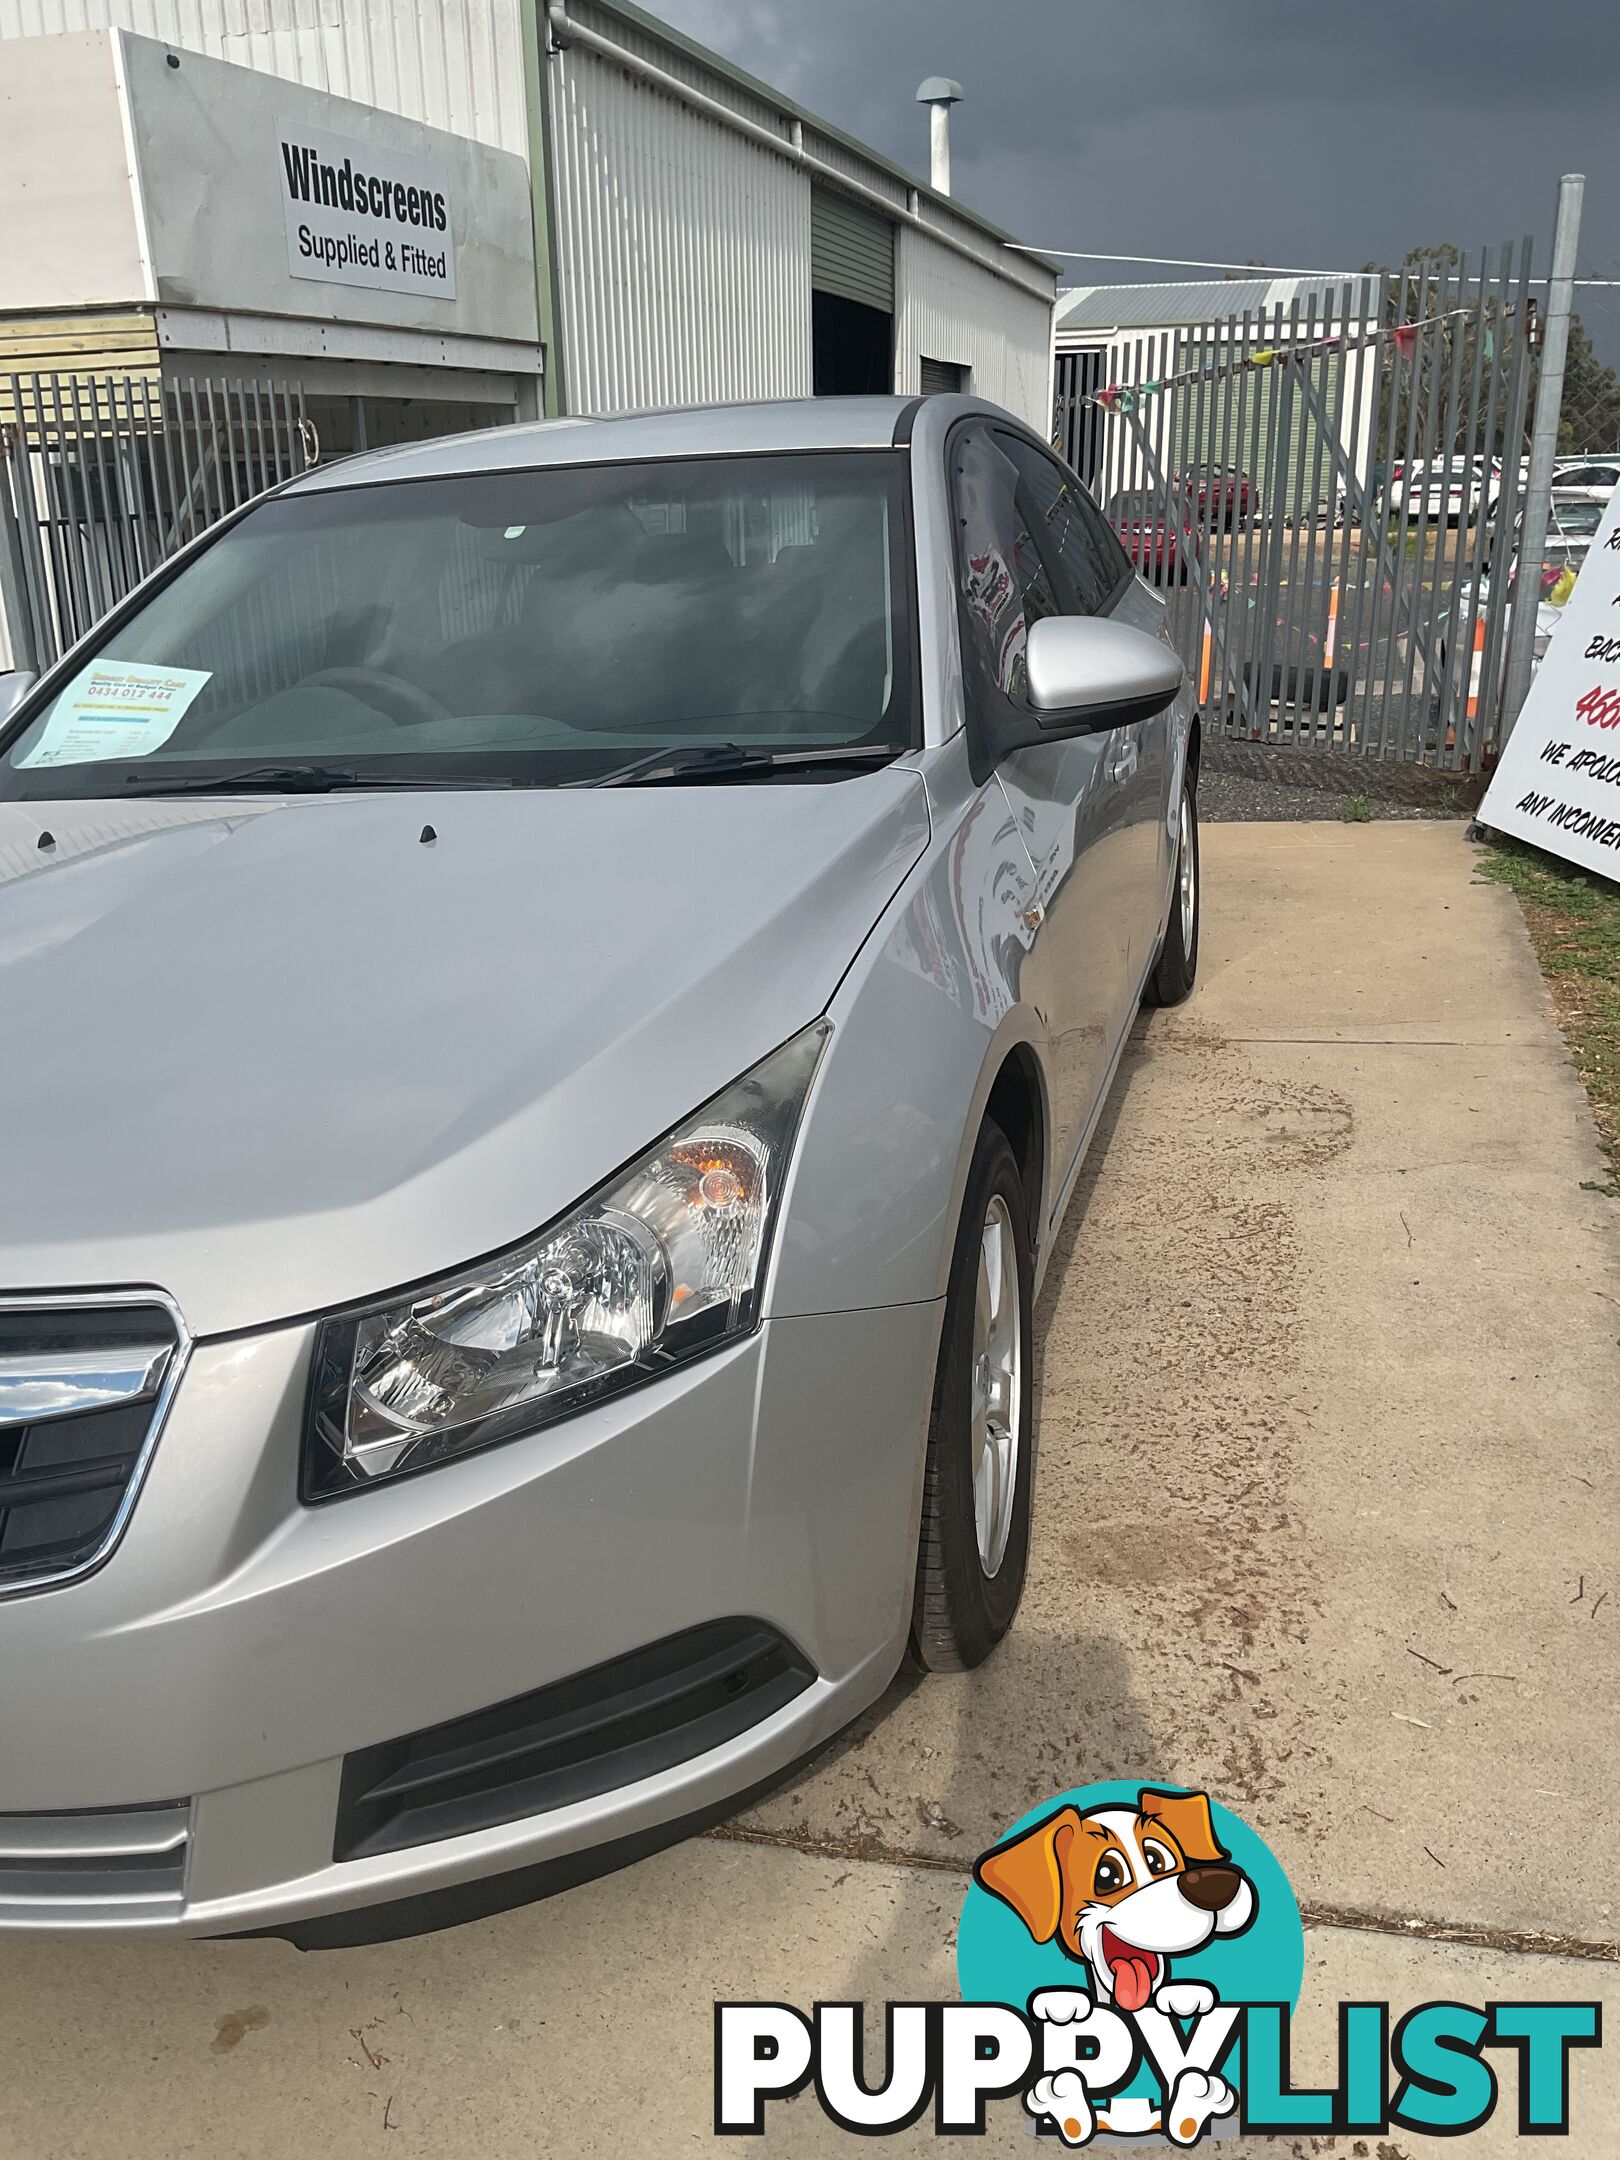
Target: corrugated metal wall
456, 64
951, 310
684, 249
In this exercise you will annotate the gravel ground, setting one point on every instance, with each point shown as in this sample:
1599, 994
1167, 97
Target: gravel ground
1246, 782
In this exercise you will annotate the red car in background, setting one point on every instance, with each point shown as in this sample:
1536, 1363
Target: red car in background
1146, 528
1219, 494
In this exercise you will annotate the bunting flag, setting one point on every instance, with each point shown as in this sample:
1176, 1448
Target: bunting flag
1126, 397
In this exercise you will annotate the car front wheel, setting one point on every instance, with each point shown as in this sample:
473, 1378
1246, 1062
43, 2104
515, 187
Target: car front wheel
980, 1469
1177, 966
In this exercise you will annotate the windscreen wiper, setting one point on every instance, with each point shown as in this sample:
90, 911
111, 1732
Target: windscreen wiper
296, 780
720, 761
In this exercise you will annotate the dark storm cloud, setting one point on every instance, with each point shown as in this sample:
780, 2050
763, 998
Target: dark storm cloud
1316, 135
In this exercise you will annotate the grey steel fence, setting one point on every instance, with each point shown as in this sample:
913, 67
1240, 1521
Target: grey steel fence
1329, 493
103, 476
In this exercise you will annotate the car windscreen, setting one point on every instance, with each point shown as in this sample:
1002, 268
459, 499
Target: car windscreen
539, 627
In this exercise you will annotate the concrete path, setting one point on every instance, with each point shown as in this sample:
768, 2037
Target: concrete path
1327, 1522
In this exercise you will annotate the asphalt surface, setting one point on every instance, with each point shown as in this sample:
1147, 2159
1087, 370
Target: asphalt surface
1259, 783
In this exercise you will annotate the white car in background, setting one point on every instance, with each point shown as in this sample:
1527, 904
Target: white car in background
1439, 490
1592, 480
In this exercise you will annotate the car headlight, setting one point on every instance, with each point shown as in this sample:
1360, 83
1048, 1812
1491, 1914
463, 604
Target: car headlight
665, 1262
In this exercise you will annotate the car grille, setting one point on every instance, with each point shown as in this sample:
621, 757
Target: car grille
82, 1393
116, 1865
589, 1734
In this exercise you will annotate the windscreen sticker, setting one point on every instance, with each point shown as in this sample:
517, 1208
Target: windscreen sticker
116, 709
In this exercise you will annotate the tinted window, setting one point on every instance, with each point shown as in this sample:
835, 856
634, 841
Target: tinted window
528, 625
1086, 557
1003, 583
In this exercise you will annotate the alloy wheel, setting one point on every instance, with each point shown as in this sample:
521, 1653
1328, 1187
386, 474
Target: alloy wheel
998, 1386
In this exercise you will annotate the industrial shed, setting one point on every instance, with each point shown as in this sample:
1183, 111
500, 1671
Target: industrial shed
697, 235
1135, 333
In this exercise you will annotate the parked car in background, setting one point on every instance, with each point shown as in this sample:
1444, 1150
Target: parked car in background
1160, 538
1219, 494
1593, 478
1573, 518
1438, 492
1575, 514
557, 985
1497, 474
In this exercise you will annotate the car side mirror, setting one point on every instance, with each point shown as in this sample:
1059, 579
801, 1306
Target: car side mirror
14, 687
1087, 674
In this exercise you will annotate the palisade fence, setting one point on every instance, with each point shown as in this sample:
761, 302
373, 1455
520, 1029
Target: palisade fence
103, 476
1329, 492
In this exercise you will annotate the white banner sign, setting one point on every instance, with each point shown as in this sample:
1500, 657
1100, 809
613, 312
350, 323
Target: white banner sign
358, 215
1558, 784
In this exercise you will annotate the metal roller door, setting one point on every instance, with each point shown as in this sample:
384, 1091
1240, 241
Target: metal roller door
851, 250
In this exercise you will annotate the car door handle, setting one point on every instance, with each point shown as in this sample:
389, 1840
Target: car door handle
1124, 760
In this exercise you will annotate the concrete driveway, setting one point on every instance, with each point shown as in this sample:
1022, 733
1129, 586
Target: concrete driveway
1327, 1522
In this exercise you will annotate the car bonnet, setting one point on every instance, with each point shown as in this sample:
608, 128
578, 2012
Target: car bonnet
274, 1056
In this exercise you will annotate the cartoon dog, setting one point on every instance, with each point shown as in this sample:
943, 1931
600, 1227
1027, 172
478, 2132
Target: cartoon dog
1123, 1890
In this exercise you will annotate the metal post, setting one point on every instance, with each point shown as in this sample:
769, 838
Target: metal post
1543, 449
15, 601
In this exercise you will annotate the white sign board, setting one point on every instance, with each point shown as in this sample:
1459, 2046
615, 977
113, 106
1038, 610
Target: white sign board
360, 215
1558, 785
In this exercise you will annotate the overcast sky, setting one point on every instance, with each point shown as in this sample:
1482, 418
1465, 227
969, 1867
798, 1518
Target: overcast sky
1321, 134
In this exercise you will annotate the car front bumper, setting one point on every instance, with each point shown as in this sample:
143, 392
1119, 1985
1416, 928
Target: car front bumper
237, 1646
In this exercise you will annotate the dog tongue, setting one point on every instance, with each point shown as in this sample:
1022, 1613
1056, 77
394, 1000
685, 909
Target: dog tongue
1133, 1981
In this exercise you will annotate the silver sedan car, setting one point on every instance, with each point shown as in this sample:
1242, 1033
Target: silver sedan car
556, 986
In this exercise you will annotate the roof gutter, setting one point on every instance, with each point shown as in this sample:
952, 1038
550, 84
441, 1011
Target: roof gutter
791, 147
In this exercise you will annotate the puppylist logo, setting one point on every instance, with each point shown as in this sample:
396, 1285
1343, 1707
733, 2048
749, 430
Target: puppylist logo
1130, 1957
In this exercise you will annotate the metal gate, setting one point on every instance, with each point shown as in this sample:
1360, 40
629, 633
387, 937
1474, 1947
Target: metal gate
102, 476
1328, 493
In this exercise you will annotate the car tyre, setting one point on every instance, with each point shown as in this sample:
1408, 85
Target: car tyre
1176, 968
977, 1482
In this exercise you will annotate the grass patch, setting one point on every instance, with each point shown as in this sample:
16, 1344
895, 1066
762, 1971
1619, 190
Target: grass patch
1574, 923
1357, 810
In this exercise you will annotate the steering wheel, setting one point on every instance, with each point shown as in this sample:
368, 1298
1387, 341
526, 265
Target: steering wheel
402, 702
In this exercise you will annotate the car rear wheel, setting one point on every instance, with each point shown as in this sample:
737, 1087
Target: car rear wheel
974, 1546
1176, 969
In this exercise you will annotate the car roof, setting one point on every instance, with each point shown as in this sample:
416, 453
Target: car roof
836, 423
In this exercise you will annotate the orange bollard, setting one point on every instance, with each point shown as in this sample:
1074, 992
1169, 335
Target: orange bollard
1476, 678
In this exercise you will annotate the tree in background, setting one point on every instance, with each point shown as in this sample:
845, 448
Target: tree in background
1589, 418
